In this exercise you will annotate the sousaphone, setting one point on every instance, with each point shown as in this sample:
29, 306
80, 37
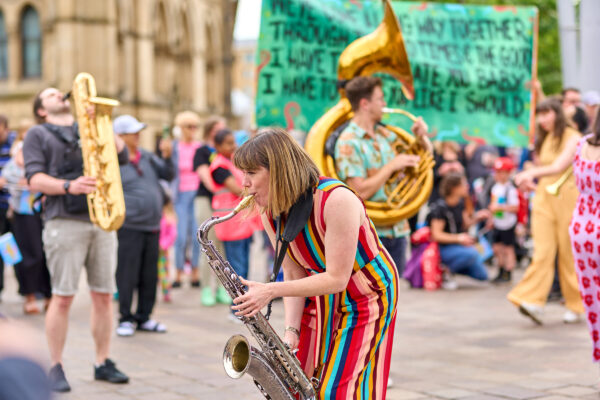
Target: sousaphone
382, 51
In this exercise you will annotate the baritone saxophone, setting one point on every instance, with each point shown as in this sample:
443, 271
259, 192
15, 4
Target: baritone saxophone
106, 204
276, 371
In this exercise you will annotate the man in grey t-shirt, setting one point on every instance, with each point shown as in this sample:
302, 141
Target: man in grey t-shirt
54, 167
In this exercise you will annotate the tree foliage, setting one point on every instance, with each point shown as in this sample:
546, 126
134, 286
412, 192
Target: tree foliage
549, 71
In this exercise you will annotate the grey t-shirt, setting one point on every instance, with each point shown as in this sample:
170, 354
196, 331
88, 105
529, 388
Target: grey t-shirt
46, 153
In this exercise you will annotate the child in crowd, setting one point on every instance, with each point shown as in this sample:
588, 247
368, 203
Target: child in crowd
504, 207
236, 234
168, 234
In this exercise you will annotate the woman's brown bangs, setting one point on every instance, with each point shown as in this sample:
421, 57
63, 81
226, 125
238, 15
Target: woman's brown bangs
245, 157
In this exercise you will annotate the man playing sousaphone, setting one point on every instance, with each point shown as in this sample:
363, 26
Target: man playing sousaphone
365, 159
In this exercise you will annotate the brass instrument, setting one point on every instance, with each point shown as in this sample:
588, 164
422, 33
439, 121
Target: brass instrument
381, 51
554, 188
106, 204
276, 371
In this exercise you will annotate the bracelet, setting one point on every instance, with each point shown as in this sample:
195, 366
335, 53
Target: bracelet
293, 330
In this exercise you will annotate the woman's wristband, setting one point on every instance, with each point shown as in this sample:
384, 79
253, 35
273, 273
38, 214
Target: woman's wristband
293, 330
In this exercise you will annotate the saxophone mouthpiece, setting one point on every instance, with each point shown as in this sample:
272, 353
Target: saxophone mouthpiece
246, 201
67, 96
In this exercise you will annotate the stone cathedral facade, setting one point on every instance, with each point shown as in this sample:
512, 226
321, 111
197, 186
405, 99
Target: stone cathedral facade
157, 57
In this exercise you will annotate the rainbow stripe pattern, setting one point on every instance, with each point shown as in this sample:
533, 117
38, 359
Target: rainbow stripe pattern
346, 338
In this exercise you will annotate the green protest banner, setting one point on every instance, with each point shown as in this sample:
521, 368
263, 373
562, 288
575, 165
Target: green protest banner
471, 65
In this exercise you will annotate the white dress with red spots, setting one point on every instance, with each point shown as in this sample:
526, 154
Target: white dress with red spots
585, 239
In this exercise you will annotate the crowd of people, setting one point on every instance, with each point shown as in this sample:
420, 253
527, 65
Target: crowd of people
481, 193
167, 193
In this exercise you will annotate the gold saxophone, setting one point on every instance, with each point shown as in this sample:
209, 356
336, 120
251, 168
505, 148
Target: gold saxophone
276, 371
554, 188
381, 51
106, 204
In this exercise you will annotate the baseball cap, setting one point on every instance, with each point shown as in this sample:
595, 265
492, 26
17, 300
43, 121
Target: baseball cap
591, 98
503, 164
125, 124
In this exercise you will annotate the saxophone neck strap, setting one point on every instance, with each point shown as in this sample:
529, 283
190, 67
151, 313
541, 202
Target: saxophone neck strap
59, 132
296, 221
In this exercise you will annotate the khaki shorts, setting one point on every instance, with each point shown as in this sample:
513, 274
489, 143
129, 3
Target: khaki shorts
70, 245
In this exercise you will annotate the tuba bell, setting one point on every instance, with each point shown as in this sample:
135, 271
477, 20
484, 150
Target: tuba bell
106, 204
381, 51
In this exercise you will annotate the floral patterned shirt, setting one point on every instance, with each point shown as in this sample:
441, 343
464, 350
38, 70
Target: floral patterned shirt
359, 155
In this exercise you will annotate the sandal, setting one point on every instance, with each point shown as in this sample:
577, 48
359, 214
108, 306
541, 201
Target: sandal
152, 326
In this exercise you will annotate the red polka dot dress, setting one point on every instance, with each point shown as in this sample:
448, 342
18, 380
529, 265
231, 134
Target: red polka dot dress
585, 239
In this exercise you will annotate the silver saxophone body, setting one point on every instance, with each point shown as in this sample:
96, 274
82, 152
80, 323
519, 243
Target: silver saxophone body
276, 371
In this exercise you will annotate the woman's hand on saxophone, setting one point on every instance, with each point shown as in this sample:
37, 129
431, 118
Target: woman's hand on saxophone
291, 339
255, 299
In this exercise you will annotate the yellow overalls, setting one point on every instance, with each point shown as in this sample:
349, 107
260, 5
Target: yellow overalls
550, 219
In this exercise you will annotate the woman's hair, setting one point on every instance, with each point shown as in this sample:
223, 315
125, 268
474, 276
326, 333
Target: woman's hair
560, 122
221, 136
449, 182
291, 170
186, 117
595, 139
210, 124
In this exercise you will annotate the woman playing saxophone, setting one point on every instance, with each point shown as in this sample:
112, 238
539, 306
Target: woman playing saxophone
336, 261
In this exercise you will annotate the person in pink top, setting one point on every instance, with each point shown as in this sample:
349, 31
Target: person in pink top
236, 234
166, 239
184, 188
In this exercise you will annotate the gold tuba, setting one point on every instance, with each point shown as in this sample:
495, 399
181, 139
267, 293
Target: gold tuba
381, 51
106, 204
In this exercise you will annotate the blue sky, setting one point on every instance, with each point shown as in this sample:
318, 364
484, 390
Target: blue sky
247, 22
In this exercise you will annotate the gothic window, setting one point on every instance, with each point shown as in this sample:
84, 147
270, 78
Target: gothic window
31, 42
3, 49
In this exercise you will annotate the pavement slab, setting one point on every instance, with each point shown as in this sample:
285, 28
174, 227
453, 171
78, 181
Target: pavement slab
466, 344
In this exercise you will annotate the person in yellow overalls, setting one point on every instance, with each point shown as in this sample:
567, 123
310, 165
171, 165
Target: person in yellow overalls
551, 216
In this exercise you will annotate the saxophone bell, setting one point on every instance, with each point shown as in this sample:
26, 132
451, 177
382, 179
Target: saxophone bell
240, 358
275, 370
236, 356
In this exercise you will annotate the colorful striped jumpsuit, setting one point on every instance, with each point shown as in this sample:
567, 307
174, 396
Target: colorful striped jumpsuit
346, 338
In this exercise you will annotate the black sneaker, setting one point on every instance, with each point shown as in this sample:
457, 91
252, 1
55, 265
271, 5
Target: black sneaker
58, 381
109, 372
504, 276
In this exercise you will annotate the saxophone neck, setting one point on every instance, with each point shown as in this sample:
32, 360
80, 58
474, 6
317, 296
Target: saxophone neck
209, 223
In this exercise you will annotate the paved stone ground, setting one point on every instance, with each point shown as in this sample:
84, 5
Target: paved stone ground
466, 344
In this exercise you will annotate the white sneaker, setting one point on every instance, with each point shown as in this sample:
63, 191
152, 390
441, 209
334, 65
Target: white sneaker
126, 329
449, 284
571, 317
532, 311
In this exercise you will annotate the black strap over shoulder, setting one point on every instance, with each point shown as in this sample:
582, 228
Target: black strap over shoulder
296, 221
60, 135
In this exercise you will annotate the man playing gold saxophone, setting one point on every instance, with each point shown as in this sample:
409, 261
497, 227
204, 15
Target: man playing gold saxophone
54, 167
365, 160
